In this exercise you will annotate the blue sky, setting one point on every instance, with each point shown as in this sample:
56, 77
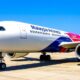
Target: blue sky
59, 14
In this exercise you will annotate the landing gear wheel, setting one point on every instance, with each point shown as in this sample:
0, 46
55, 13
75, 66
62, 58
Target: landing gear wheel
45, 58
2, 66
42, 58
78, 60
48, 58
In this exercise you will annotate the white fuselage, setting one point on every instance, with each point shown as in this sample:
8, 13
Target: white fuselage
23, 37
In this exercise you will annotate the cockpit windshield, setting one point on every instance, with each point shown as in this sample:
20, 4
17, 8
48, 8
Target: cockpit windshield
2, 28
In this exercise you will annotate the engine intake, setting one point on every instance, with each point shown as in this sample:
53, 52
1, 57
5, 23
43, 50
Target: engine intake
77, 50
16, 55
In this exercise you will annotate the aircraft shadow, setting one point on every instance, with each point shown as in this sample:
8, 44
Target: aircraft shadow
26, 59
40, 64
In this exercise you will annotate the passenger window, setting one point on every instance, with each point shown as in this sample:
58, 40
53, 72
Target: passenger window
2, 28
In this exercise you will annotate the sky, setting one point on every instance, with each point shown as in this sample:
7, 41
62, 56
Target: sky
58, 14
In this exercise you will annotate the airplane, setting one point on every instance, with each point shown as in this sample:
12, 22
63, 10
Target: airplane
18, 39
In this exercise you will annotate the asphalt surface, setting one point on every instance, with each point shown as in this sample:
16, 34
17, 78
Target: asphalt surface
63, 66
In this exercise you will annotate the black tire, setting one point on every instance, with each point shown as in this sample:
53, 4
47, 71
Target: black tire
2, 66
45, 58
48, 58
42, 58
78, 60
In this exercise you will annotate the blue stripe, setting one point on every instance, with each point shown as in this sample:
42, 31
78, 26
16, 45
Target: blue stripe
54, 47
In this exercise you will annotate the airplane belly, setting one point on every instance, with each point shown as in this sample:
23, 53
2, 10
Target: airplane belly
31, 43
38, 43
45, 43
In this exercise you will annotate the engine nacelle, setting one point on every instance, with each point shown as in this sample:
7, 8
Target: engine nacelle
77, 50
16, 55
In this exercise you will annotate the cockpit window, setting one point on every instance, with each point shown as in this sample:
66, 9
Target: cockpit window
2, 28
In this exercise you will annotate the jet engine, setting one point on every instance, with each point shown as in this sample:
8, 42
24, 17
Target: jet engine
77, 50
16, 55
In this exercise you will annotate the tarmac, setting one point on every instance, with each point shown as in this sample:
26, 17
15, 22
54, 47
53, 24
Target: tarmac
63, 66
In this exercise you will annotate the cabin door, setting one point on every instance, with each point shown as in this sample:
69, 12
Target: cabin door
23, 32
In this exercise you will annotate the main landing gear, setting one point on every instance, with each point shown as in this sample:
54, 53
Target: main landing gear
45, 57
2, 64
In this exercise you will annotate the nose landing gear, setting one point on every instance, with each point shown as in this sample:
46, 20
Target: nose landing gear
2, 64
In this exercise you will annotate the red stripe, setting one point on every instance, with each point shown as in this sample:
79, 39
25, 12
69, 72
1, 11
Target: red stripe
74, 37
63, 49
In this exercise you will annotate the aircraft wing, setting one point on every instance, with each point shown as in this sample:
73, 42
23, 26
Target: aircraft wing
69, 44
